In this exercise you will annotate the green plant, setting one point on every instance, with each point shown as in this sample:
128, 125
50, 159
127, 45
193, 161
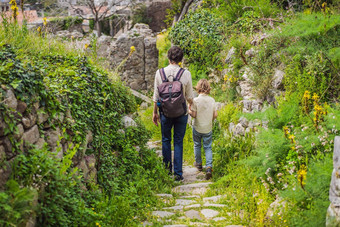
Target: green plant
200, 36
140, 14
16, 204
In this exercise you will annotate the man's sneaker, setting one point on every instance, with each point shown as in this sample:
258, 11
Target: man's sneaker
178, 178
198, 166
209, 173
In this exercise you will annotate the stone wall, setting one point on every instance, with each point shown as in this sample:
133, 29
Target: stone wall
333, 212
139, 70
157, 12
35, 128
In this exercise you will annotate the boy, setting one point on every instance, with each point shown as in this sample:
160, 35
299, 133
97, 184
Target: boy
203, 111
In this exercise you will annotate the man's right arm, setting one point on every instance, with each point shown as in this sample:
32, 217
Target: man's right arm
155, 116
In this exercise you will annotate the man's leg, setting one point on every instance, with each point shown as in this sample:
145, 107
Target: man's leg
166, 125
180, 125
197, 137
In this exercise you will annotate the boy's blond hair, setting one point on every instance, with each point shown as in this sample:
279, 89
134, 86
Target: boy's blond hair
203, 86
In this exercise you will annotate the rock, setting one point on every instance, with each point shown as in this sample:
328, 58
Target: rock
128, 122
246, 90
189, 197
19, 132
40, 143
103, 45
239, 130
42, 116
91, 161
243, 121
22, 106
162, 214
3, 125
175, 226
58, 150
174, 208
5, 173
198, 224
213, 205
209, 213
212, 199
258, 39
146, 223
144, 106
52, 137
2, 154
219, 219
164, 195
332, 216
250, 52
8, 146
230, 55
275, 207
256, 105
277, 79
193, 206
196, 189
183, 202
231, 127
31, 136
29, 120
247, 106
219, 105
83, 167
10, 100
193, 214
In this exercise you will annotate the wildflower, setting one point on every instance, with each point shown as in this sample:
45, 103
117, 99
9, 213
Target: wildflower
92, 208
132, 49
306, 95
315, 97
97, 224
86, 45
302, 175
45, 21
15, 9
286, 131
180, 64
292, 138
39, 30
225, 77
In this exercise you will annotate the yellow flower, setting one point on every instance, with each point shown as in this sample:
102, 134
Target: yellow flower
87, 45
45, 21
306, 95
315, 97
132, 49
180, 64
92, 208
302, 175
39, 29
97, 224
225, 77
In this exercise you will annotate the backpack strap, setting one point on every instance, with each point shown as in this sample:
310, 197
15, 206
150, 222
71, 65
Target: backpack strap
163, 76
179, 74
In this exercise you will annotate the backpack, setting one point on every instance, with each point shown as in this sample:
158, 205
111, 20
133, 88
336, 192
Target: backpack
171, 97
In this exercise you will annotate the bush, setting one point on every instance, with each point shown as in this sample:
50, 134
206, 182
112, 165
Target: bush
199, 34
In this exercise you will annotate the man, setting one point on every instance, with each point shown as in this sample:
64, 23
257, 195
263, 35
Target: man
175, 56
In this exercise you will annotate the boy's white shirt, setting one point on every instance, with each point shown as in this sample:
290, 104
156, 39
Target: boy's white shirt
204, 106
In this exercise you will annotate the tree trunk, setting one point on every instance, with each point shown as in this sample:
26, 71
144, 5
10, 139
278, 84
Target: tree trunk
98, 27
111, 27
185, 9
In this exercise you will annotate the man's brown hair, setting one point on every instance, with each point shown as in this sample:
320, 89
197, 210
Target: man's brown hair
203, 86
175, 54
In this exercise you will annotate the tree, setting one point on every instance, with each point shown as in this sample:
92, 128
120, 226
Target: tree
99, 10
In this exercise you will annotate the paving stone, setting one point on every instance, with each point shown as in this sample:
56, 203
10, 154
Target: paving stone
193, 214
182, 217
173, 208
164, 195
196, 189
214, 205
212, 199
199, 224
209, 213
175, 226
146, 223
193, 206
219, 219
162, 214
189, 197
184, 202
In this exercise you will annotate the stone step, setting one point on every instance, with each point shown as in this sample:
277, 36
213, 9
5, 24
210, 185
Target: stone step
196, 189
162, 214
209, 213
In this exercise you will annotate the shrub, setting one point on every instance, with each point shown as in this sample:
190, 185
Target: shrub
199, 34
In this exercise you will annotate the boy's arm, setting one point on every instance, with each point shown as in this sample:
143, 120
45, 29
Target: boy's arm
192, 112
215, 115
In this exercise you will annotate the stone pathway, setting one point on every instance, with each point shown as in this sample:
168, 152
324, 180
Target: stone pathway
187, 206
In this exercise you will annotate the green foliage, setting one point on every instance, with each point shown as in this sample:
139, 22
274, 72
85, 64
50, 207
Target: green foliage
67, 83
310, 205
163, 45
199, 34
64, 23
140, 14
16, 204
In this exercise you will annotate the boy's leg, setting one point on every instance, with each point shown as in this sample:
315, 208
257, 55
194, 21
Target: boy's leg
207, 141
197, 137
180, 125
166, 125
